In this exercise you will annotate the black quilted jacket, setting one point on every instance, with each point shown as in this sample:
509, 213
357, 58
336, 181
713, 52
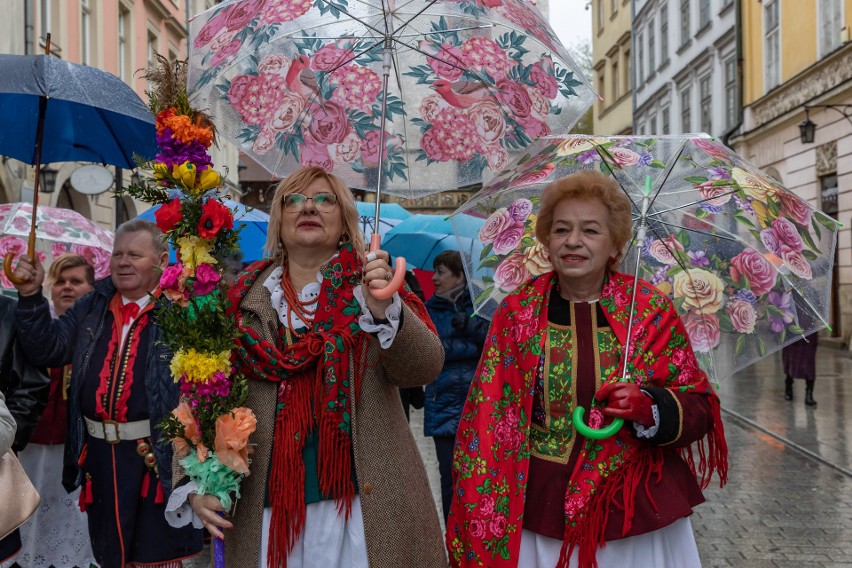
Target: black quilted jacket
72, 339
25, 386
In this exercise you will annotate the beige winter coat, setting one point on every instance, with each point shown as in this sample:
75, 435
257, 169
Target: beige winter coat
400, 518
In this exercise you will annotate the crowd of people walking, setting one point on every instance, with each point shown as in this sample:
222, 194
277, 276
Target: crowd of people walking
336, 477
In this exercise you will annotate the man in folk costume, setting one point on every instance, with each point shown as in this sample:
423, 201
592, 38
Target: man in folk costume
121, 388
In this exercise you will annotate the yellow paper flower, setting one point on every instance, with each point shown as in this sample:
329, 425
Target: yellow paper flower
198, 367
194, 251
208, 179
160, 171
185, 173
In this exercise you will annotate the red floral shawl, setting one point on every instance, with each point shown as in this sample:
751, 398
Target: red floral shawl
492, 449
314, 394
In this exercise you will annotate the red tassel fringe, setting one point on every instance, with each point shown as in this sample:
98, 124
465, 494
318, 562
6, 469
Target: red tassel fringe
146, 485
589, 533
287, 482
86, 497
160, 497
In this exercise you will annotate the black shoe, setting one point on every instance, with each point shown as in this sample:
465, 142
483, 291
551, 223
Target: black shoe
809, 395
788, 388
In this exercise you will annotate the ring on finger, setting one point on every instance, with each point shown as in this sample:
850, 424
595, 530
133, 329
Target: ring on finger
388, 275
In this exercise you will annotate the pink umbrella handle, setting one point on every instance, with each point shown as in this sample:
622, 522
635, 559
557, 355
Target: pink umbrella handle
398, 273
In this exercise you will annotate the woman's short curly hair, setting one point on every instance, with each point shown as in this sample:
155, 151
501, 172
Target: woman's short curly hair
581, 185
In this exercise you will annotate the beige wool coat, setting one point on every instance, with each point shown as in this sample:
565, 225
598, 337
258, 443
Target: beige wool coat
400, 517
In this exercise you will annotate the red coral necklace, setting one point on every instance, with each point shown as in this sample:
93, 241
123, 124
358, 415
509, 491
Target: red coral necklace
294, 304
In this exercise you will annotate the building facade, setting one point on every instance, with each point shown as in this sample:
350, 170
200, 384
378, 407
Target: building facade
612, 64
685, 67
118, 36
797, 59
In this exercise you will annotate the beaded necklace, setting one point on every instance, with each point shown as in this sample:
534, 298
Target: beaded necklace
295, 304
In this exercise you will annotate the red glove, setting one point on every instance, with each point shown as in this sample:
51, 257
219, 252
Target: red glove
627, 401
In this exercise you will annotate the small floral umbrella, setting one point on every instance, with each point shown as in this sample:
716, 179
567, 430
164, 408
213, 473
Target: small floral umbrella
747, 263
58, 231
439, 93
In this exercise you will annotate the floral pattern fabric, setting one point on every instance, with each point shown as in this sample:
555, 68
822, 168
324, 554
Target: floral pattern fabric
746, 263
471, 82
58, 231
493, 444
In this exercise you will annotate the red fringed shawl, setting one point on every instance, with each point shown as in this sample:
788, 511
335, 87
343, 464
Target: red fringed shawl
314, 394
492, 450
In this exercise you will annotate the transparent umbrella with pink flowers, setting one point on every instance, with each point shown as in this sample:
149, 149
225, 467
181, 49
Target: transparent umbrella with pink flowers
746, 262
59, 231
408, 97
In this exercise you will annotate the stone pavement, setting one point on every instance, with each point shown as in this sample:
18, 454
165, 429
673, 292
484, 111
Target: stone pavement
788, 501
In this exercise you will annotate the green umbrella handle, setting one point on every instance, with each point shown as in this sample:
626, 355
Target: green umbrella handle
594, 433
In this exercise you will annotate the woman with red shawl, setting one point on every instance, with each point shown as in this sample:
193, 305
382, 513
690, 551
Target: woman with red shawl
530, 490
336, 480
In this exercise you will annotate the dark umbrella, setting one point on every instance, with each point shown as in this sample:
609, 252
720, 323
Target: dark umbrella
91, 116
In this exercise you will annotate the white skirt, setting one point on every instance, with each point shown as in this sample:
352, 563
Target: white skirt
669, 547
326, 541
57, 533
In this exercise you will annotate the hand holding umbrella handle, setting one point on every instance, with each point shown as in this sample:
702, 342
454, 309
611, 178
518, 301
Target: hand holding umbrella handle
7, 261
398, 273
594, 433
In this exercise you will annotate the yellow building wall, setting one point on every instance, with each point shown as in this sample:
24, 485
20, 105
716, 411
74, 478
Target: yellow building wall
613, 114
799, 41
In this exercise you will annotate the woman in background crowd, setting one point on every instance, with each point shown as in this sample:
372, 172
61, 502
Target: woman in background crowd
57, 533
462, 336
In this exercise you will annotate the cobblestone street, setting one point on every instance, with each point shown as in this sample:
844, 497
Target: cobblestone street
788, 501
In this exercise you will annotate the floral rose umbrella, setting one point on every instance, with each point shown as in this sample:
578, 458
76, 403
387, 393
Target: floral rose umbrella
747, 263
58, 231
439, 92
410, 97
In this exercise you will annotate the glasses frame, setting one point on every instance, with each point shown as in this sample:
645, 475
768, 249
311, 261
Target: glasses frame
326, 204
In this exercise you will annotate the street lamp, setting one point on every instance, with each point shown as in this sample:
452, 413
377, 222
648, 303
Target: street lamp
47, 179
807, 129
135, 178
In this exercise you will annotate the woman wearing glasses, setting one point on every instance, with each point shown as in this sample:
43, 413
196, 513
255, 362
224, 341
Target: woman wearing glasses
336, 478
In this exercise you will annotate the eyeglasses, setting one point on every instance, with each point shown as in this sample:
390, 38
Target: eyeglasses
295, 202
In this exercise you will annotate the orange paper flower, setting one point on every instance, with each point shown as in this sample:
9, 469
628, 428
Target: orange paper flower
232, 433
183, 128
190, 426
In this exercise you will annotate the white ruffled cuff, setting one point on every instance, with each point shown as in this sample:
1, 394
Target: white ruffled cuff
386, 332
178, 511
648, 431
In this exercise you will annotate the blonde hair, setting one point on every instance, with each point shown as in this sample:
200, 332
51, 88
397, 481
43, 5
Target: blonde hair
587, 184
66, 261
298, 182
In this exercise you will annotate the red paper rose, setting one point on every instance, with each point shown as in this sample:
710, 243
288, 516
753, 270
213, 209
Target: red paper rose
214, 216
168, 215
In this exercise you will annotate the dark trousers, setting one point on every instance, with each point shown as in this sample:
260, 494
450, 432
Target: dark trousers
444, 450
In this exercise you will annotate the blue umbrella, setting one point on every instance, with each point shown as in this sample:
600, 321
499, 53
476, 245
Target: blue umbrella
254, 223
89, 115
390, 216
421, 238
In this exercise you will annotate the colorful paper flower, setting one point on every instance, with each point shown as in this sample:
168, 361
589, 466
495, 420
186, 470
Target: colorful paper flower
195, 250
195, 367
168, 215
214, 217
